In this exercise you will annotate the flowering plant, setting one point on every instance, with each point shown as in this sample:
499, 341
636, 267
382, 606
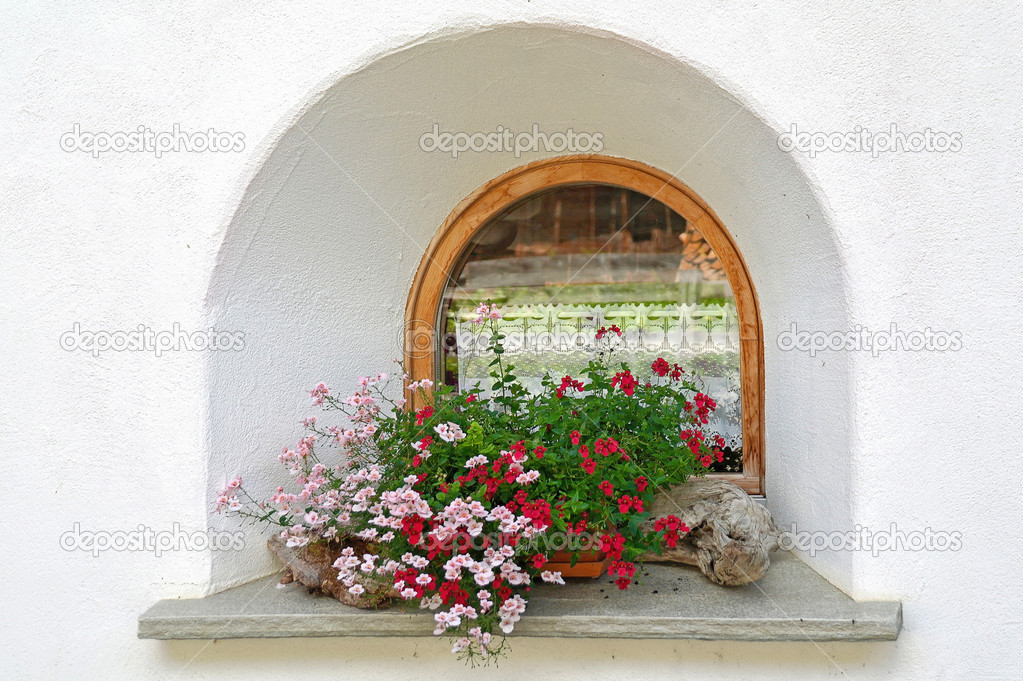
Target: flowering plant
465, 497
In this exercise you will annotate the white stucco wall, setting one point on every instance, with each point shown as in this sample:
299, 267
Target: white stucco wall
307, 241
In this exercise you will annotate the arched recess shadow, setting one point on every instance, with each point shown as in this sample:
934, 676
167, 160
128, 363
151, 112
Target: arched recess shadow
318, 259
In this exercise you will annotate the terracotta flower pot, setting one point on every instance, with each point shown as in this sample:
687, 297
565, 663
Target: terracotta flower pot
592, 563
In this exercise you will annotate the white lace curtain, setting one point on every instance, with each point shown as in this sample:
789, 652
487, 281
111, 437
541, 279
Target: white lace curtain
704, 339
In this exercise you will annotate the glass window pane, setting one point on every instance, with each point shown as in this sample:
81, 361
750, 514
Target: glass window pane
563, 262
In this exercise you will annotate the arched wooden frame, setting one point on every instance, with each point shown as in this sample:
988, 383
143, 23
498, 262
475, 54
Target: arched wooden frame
445, 251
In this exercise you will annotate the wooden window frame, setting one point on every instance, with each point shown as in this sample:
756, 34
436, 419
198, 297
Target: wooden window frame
445, 250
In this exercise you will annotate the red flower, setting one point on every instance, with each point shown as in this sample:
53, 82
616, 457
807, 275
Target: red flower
584, 451
470, 398
606, 447
538, 512
423, 414
412, 526
623, 571
575, 437
671, 526
451, 593
641, 483
622, 568
607, 488
704, 405
612, 546
539, 451
670, 522
625, 503
538, 560
661, 367
589, 465
569, 382
578, 528
626, 381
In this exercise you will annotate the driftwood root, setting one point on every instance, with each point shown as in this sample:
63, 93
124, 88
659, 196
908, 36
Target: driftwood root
731, 536
312, 567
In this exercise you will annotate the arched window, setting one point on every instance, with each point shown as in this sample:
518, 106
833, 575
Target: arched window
570, 244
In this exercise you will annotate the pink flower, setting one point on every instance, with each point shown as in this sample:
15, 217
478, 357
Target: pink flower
551, 577
319, 393
485, 311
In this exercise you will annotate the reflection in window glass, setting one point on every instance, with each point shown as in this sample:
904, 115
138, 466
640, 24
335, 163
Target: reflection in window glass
564, 262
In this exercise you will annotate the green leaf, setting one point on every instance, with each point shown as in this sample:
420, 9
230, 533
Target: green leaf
635, 521
474, 436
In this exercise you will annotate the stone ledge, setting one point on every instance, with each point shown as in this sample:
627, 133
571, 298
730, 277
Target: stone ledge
791, 603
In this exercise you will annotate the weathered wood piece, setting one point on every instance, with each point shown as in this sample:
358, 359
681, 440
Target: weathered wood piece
731, 536
312, 567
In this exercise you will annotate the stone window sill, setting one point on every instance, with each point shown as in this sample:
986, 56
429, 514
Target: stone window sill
791, 603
